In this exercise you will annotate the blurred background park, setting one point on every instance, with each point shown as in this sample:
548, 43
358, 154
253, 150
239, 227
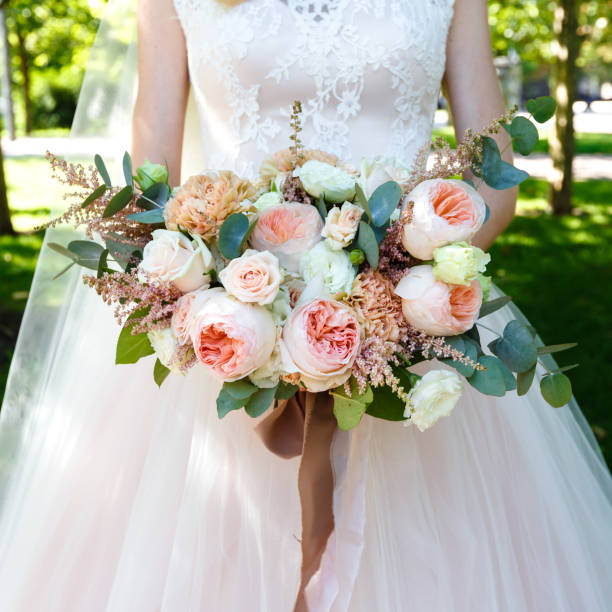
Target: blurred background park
555, 259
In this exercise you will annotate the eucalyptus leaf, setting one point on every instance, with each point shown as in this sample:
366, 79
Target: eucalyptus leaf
155, 216
524, 135
119, 201
556, 389
240, 389
62, 250
101, 166
487, 213
566, 368
490, 166
508, 177
468, 348
322, 208
490, 381
226, 403
524, 380
127, 169
97, 193
361, 200
259, 402
493, 305
102, 268
160, 372
384, 201
516, 347
542, 108
509, 379
121, 252
386, 404
366, 241
555, 348
63, 270
88, 252
232, 235
154, 197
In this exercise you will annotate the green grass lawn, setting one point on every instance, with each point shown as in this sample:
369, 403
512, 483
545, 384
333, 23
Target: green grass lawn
586, 143
557, 269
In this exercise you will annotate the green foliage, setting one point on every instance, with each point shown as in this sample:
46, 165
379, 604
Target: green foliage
101, 166
349, 410
260, 401
466, 346
383, 202
119, 201
524, 135
97, 193
367, 243
233, 235
285, 390
235, 395
386, 404
154, 197
132, 347
490, 381
493, 305
542, 108
495, 172
556, 389
516, 347
160, 372
524, 380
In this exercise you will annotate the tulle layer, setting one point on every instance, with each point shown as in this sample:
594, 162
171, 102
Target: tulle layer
121, 496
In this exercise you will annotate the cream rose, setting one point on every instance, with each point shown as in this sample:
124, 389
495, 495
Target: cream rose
165, 343
379, 170
255, 277
321, 179
172, 258
434, 396
341, 225
436, 308
231, 339
288, 231
459, 263
333, 267
322, 338
443, 212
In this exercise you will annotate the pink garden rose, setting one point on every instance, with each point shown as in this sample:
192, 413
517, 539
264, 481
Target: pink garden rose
172, 258
182, 318
288, 231
255, 276
231, 339
322, 338
443, 212
436, 308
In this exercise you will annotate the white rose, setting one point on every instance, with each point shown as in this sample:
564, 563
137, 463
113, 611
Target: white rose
268, 375
165, 343
272, 198
254, 277
281, 306
379, 170
319, 178
334, 268
459, 263
172, 258
341, 225
433, 397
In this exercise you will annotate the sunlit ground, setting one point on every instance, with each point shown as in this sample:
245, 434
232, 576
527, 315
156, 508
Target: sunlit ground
558, 270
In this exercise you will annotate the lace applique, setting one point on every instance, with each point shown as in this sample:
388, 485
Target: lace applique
335, 55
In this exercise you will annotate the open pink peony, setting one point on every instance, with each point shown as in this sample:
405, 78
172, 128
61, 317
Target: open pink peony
436, 308
443, 212
288, 231
322, 338
231, 339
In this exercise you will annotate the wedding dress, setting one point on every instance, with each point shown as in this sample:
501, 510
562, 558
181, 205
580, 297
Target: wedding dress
120, 496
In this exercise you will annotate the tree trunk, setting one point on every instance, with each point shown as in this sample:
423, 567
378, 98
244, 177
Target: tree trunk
7, 88
563, 85
6, 227
25, 71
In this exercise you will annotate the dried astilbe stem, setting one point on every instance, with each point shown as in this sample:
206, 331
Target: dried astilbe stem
296, 127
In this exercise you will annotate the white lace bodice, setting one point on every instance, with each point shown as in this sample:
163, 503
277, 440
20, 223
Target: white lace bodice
367, 72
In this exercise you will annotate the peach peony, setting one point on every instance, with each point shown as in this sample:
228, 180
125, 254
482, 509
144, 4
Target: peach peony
322, 338
283, 162
436, 308
182, 317
288, 231
231, 339
205, 201
255, 276
443, 212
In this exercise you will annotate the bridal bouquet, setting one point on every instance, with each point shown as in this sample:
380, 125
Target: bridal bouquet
315, 275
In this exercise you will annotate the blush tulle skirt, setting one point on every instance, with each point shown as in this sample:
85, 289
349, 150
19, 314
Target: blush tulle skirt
120, 496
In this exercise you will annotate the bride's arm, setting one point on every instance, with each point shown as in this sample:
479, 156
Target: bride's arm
163, 87
475, 99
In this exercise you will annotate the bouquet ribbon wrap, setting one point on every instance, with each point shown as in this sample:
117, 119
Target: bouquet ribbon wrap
307, 422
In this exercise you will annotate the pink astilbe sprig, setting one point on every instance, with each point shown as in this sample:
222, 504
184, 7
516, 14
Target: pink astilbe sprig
394, 261
150, 304
86, 181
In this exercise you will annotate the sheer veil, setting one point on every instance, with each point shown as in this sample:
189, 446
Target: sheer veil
102, 124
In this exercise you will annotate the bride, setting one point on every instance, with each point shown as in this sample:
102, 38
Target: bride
119, 496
